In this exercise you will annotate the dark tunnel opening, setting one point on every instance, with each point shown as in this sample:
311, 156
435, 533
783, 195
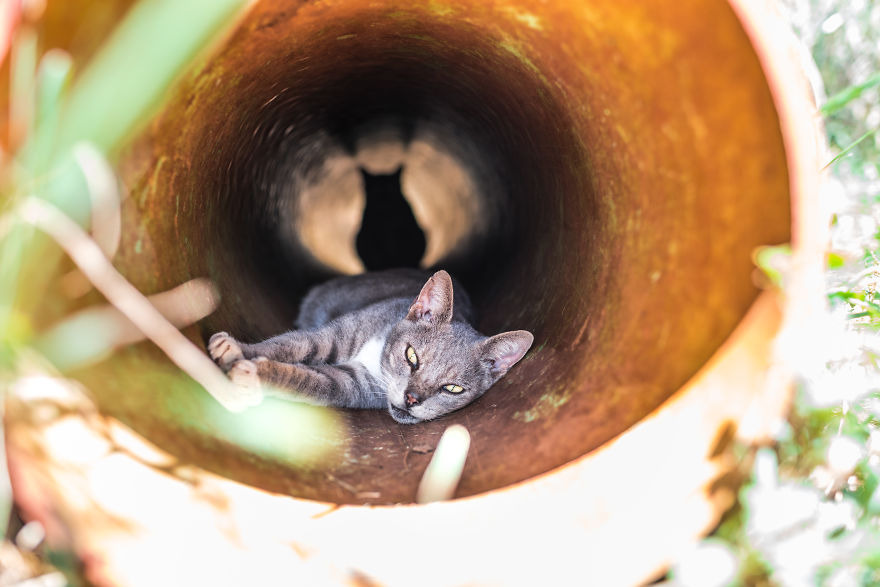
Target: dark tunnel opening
463, 107
389, 235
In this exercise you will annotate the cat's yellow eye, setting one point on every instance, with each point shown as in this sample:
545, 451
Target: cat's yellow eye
412, 358
452, 388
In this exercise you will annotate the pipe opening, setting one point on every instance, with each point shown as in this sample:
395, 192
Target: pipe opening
474, 139
571, 192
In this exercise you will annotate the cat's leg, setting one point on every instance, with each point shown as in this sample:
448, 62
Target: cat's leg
295, 346
348, 385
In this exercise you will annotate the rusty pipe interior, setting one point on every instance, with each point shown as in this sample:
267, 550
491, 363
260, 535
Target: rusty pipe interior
596, 173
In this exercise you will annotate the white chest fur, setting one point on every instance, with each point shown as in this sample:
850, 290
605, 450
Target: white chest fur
370, 356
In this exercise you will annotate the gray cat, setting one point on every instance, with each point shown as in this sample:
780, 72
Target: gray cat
362, 342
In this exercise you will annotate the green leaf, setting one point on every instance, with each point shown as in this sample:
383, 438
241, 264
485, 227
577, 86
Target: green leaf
844, 296
834, 261
844, 97
53, 78
851, 146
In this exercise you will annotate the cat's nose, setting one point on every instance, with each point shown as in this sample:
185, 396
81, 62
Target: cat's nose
412, 399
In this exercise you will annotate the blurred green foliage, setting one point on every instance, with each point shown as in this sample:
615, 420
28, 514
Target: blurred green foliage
809, 511
843, 38
112, 97
104, 105
842, 98
59, 111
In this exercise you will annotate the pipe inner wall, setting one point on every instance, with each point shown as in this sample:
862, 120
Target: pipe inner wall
597, 173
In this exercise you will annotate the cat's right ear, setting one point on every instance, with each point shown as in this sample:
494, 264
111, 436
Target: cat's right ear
504, 350
435, 300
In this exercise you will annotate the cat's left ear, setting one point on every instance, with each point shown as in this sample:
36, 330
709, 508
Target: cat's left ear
504, 350
435, 300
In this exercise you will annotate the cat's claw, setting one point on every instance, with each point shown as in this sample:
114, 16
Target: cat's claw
244, 373
225, 350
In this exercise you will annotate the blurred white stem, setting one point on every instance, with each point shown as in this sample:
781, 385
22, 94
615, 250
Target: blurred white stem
106, 223
136, 307
444, 471
183, 305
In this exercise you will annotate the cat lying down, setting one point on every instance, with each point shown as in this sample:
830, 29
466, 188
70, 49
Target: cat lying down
362, 342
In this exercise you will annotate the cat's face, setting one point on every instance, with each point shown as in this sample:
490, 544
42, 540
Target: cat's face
433, 366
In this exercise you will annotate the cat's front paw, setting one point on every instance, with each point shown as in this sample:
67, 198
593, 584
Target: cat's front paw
244, 373
225, 350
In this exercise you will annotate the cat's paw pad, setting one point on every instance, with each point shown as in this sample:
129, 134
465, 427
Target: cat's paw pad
225, 350
244, 374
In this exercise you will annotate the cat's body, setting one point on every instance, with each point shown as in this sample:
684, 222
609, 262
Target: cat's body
386, 340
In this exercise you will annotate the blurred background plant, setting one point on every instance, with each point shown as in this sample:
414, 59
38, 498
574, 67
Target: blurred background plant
809, 512
64, 128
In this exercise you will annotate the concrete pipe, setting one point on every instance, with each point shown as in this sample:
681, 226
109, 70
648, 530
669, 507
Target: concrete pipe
598, 173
